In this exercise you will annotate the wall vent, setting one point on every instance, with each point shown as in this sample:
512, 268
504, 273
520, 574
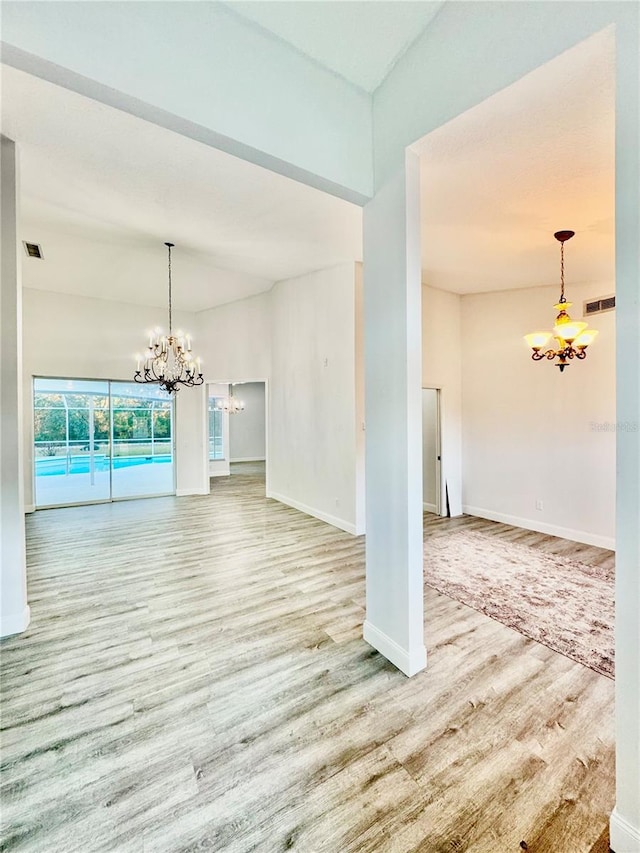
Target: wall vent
33, 250
599, 306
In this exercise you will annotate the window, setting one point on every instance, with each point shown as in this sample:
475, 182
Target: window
216, 426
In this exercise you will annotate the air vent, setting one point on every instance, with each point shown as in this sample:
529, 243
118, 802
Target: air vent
599, 306
33, 250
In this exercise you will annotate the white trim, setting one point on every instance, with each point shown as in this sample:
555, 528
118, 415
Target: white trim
15, 623
29, 508
625, 838
183, 493
219, 474
347, 526
249, 459
541, 527
429, 507
409, 662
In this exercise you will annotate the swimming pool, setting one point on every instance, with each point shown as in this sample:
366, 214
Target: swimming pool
56, 465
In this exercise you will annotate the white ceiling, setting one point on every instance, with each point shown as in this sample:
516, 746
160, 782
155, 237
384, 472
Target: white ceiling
538, 157
103, 190
360, 41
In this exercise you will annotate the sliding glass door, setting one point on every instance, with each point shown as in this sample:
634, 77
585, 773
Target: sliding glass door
72, 455
96, 440
141, 418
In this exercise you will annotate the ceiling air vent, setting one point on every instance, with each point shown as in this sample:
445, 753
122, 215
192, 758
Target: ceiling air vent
33, 250
599, 306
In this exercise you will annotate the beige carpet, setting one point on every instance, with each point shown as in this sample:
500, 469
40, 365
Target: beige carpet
560, 602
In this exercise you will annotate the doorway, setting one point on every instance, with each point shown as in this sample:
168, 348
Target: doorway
237, 427
431, 456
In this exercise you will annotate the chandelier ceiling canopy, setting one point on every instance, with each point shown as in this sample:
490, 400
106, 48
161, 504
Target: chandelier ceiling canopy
168, 360
573, 336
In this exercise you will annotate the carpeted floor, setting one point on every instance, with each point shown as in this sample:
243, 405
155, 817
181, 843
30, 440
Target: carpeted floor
562, 603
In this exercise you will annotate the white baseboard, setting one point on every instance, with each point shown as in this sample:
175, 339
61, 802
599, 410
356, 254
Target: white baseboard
15, 623
183, 493
219, 473
409, 662
249, 459
347, 526
427, 507
625, 838
543, 527
29, 508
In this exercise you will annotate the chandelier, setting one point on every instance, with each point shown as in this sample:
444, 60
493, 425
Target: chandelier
573, 336
168, 360
231, 405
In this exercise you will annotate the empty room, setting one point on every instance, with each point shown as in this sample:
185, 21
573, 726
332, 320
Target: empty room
303, 545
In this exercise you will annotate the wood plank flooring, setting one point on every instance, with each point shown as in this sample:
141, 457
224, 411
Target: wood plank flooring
194, 679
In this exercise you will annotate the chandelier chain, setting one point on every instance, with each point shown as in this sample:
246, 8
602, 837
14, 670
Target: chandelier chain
562, 299
170, 317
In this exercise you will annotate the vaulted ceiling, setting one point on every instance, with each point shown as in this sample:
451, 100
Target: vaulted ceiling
102, 189
359, 41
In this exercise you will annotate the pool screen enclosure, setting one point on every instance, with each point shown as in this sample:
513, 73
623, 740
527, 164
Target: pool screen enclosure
100, 440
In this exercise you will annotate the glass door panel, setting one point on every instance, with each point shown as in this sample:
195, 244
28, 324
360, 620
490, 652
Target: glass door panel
142, 440
72, 452
216, 441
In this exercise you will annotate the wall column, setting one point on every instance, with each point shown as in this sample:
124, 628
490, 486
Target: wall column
191, 442
393, 406
14, 610
625, 820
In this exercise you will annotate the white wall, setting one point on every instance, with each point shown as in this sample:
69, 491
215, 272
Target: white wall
234, 340
79, 337
238, 88
312, 435
191, 442
14, 610
442, 368
315, 453
360, 402
247, 433
531, 433
469, 52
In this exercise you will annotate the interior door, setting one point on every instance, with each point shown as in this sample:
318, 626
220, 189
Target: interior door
431, 495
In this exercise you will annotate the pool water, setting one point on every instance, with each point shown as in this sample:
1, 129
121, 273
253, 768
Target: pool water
56, 465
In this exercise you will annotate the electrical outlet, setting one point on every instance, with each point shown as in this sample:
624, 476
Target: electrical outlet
539, 506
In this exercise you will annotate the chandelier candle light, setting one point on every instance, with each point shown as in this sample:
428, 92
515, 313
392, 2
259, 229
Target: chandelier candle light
231, 405
573, 336
168, 360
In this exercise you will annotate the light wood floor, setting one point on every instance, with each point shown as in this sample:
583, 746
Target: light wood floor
194, 679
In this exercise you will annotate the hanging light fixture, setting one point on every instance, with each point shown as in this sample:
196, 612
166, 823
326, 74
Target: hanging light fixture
168, 360
231, 405
573, 336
